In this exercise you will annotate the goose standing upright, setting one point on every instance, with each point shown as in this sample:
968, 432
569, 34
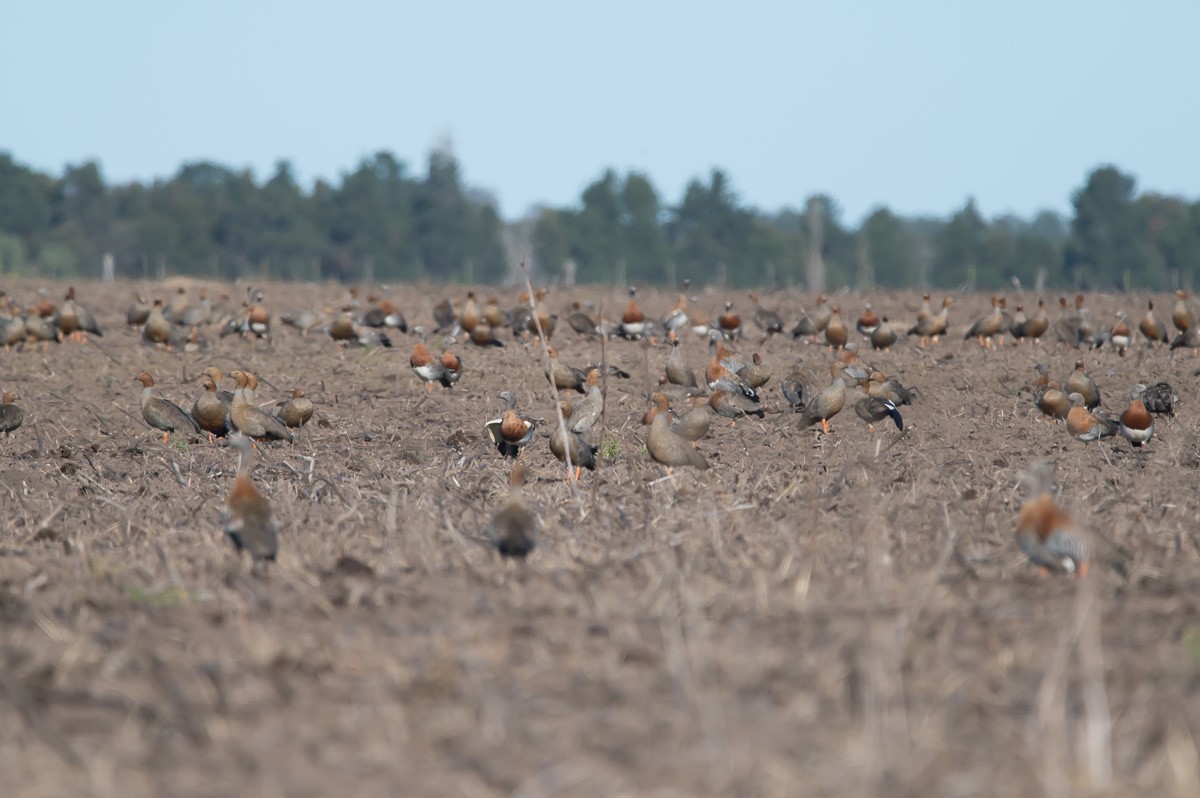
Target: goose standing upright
247, 517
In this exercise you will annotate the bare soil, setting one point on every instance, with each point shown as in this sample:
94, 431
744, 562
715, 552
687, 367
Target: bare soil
815, 615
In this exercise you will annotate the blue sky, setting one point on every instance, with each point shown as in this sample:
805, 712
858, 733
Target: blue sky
916, 105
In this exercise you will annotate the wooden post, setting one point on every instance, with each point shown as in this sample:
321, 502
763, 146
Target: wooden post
816, 242
866, 269
108, 268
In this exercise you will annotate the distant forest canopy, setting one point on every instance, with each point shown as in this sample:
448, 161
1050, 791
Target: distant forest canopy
383, 223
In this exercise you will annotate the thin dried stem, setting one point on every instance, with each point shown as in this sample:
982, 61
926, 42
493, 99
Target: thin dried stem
549, 366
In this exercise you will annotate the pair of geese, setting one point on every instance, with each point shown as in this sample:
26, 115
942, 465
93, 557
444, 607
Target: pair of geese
512, 432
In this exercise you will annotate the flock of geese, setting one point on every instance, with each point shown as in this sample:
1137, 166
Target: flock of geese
682, 406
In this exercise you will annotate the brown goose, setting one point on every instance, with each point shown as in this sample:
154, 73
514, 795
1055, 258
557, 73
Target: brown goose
881, 386
15, 331
816, 322
484, 335
295, 412
665, 446
162, 414
1181, 316
40, 329
493, 315
511, 432
209, 412
873, 410
247, 516
769, 321
755, 373
428, 368
199, 313
1160, 399
836, 331
720, 377
868, 322
1051, 538
677, 371
730, 323
583, 455
1188, 339
177, 306
733, 405
1137, 425
580, 320
695, 423
452, 369
633, 321
138, 312
345, 330
11, 414
987, 326
543, 318
215, 374
794, 387
445, 316
1119, 335
884, 336
157, 330
587, 411
564, 377
826, 404
1079, 382
248, 418
934, 324
470, 317
305, 320
254, 318
1086, 426
75, 321
385, 314
1154, 330
513, 530
1038, 323
1048, 395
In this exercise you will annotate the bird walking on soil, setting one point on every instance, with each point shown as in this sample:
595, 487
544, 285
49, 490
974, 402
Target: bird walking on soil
11, 414
247, 517
163, 414
513, 530
1050, 537
663, 444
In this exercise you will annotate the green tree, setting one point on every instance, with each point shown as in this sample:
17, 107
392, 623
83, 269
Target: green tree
551, 239
1107, 238
710, 232
959, 249
894, 250
25, 199
643, 244
1179, 243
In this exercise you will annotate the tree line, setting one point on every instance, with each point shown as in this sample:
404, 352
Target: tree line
385, 223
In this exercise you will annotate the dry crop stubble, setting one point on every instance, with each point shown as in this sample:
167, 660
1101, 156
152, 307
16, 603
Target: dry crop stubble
818, 614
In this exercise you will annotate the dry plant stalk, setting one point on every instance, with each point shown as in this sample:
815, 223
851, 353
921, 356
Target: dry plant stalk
1097, 718
562, 423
